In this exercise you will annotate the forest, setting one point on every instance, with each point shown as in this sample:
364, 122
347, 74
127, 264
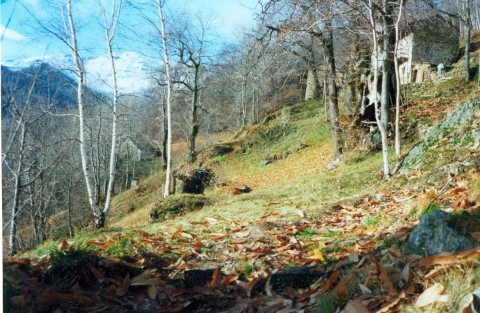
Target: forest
283, 170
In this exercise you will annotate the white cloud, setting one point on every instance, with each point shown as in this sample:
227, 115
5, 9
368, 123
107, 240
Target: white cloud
232, 15
131, 74
11, 34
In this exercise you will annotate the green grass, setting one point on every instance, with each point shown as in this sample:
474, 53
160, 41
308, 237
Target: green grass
247, 268
307, 232
330, 234
326, 304
370, 222
430, 208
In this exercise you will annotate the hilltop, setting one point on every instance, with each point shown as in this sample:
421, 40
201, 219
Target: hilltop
307, 235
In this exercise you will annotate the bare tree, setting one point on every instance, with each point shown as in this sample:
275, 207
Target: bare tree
376, 68
191, 44
317, 18
71, 41
24, 126
110, 25
169, 101
397, 80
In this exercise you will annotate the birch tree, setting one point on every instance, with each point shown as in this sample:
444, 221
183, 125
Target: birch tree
375, 99
110, 26
169, 100
72, 43
397, 80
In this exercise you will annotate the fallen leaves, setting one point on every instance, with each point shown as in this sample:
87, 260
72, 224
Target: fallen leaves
431, 295
456, 258
148, 278
316, 255
383, 276
471, 302
382, 279
355, 306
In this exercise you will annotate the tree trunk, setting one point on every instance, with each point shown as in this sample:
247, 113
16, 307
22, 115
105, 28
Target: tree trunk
168, 172
468, 28
192, 136
383, 132
386, 64
109, 35
255, 110
244, 102
81, 116
12, 248
398, 86
327, 41
164, 135
69, 209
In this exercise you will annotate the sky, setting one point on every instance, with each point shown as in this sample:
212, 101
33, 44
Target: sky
23, 39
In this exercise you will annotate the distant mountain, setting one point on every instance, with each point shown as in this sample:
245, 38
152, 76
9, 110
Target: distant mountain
52, 88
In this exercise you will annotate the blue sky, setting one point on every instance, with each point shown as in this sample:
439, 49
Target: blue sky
24, 40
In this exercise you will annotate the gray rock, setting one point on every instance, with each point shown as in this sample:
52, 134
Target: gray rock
374, 139
433, 236
465, 117
333, 165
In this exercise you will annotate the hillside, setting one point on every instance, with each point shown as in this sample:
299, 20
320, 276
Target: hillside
52, 89
309, 236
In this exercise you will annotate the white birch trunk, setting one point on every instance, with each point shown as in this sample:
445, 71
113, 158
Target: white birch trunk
397, 80
81, 108
168, 172
12, 248
383, 133
109, 35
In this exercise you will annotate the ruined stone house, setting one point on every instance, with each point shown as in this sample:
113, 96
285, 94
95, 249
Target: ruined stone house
427, 43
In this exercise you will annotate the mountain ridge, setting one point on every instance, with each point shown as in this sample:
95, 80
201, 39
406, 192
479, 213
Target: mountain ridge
53, 89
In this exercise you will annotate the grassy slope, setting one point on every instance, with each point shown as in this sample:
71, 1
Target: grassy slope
289, 188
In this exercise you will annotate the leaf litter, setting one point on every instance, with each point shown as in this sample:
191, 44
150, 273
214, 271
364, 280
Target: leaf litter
205, 273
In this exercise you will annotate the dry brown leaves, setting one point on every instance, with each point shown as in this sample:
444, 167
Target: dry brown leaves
382, 280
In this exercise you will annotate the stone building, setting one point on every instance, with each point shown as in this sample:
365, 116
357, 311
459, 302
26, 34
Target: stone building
428, 43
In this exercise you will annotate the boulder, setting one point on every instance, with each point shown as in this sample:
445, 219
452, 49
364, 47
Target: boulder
374, 139
459, 129
433, 235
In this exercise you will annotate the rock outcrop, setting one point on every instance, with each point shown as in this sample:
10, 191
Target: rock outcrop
461, 128
433, 235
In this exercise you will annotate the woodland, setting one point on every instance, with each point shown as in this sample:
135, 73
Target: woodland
313, 165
